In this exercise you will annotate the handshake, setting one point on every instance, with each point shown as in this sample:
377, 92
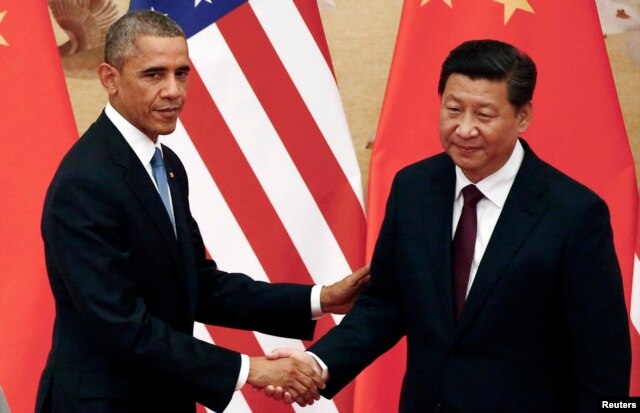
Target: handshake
288, 375
292, 375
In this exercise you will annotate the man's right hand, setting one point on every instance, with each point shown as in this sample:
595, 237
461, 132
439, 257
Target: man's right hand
294, 377
278, 392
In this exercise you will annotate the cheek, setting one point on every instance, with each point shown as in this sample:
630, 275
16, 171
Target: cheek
443, 137
146, 96
446, 130
447, 145
442, 125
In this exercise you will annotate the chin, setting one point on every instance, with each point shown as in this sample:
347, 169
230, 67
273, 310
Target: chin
167, 130
465, 164
462, 160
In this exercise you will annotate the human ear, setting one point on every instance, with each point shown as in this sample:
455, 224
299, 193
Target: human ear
524, 116
108, 76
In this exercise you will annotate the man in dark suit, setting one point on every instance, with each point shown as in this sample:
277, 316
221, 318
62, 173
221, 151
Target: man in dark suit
533, 319
127, 264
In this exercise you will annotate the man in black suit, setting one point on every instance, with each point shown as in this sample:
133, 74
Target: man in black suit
127, 264
537, 323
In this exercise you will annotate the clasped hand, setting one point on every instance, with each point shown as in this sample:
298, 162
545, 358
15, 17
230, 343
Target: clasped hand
292, 375
288, 375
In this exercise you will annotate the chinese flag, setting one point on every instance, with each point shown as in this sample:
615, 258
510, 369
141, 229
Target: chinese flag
36, 128
577, 124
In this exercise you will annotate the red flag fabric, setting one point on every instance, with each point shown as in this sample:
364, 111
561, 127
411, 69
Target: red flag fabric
36, 129
577, 124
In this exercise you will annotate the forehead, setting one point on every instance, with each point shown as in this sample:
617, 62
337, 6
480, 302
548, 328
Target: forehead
482, 91
159, 51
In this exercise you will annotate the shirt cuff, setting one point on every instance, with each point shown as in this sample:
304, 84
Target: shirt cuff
316, 306
323, 367
244, 371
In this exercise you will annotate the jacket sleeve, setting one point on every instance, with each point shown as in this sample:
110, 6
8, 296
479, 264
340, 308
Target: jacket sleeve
374, 324
237, 301
595, 312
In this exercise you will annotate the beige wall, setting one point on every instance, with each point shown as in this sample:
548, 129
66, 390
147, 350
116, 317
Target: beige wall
627, 77
361, 36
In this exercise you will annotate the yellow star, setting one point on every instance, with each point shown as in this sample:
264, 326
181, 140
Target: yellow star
2, 41
447, 2
510, 6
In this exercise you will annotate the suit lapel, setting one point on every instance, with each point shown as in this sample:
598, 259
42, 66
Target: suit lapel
179, 209
437, 204
140, 183
523, 209
149, 198
183, 221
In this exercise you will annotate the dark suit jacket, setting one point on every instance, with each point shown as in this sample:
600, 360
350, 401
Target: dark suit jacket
544, 328
127, 291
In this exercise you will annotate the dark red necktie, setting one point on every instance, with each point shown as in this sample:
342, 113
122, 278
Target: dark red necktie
464, 243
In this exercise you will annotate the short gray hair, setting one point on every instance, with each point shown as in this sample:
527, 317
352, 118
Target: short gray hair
121, 36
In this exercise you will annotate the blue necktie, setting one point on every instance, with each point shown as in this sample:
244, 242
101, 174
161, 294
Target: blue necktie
160, 175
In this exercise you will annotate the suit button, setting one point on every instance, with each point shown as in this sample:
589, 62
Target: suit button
439, 408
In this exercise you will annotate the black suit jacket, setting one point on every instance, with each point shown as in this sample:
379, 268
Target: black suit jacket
544, 328
127, 291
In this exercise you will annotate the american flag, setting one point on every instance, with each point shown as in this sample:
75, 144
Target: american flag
275, 185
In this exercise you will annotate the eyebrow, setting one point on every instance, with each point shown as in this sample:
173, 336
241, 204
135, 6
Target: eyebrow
458, 100
154, 69
158, 69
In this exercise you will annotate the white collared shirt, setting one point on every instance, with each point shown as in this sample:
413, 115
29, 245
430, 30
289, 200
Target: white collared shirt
142, 145
495, 189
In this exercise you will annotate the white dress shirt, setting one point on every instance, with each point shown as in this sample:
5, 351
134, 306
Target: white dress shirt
495, 189
144, 148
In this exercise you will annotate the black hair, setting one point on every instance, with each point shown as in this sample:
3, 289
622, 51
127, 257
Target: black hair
493, 60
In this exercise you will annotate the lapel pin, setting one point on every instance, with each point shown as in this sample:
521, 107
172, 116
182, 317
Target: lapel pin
171, 175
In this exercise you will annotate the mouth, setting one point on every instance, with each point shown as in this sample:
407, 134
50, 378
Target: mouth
169, 111
467, 149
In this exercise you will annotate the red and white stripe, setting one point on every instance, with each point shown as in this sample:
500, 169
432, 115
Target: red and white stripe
274, 181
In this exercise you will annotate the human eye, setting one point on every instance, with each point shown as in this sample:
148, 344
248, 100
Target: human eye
152, 74
485, 115
152, 77
182, 73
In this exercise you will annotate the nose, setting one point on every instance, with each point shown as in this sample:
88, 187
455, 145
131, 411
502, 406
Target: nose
466, 128
172, 88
